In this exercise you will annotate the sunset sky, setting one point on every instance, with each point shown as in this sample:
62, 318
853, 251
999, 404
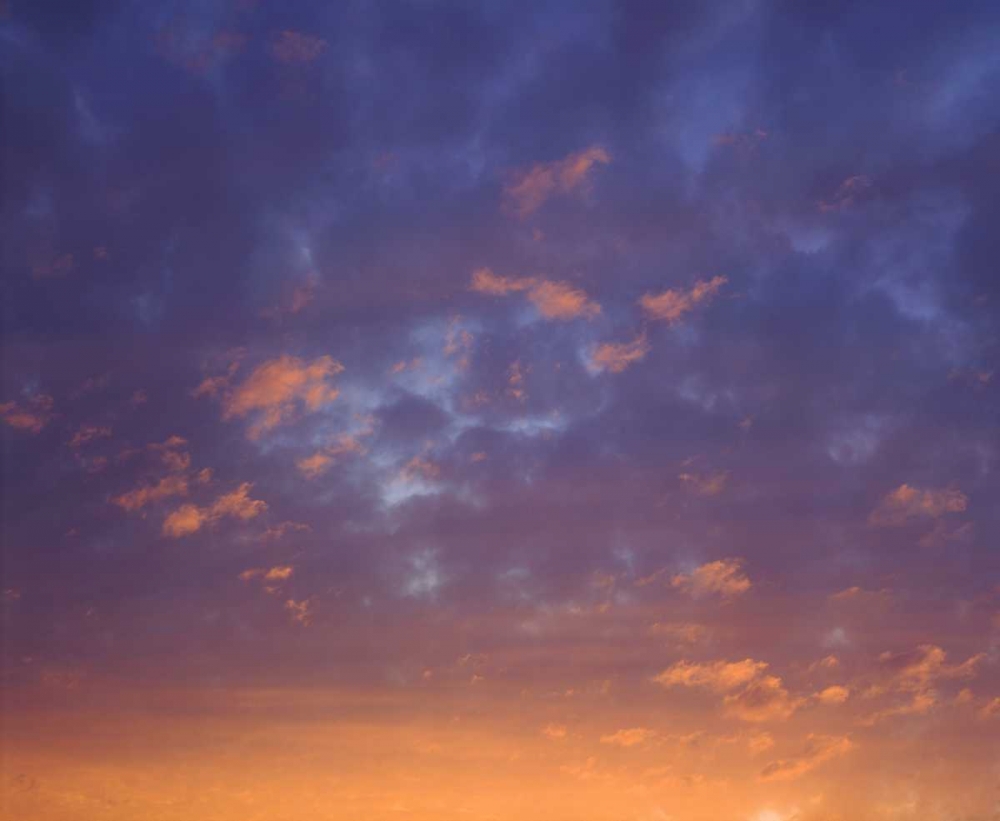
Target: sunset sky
500, 411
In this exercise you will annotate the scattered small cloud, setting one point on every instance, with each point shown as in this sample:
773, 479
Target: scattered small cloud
189, 518
632, 737
671, 305
724, 577
31, 415
529, 190
906, 504
616, 357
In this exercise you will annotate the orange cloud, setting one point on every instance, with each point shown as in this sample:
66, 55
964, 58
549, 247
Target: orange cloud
31, 416
672, 304
682, 633
706, 485
991, 709
907, 503
554, 732
718, 676
818, 750
529, 190
560, 300
88, 433
274, 390
750, 695
834, 694
629, 738
189, 518
553, 300
321, 461
300, 611
139, 497
618, 356
724, 577
764, 699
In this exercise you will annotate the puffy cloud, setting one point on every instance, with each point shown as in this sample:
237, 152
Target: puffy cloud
631, 737
907, 503
763, 699
991, 709
278, 573
32, 415
184, 521
618, 356
671, 305
750, 695
560, 300
139, 497
552, 300
190, 518
818, 750
834, 694
174, 459
916, 675
273, 391
528, 190
724, 577
718, 676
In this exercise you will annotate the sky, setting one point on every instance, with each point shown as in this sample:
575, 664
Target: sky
473, 411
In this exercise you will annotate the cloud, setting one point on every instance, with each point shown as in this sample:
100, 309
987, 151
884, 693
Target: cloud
916, 674
629, 738
990, 710
184, 521
618, 356
554, 732
139, 497
174, 459
560, 300
88, 433
851, 191
764, 699
273, 391
190, 518
300, 611
724, 577
718, 676
711, 484
321, 461
834, 694
750, 695
682, 633
32, 416
279, 573
907, 503
553, 300
294, 47
672, 304
818, 750
527, 191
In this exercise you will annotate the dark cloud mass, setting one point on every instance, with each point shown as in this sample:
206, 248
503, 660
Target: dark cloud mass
599, 398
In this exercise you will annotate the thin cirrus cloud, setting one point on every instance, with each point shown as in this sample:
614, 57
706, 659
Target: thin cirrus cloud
529, 190
818, 750
554, 300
